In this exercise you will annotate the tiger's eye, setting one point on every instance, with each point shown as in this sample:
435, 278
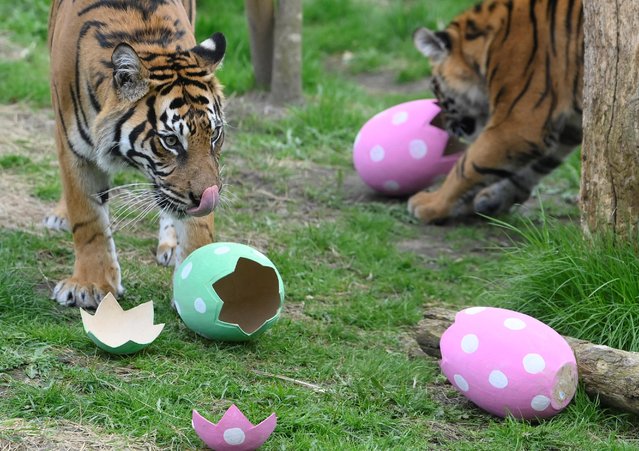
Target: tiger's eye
170, 140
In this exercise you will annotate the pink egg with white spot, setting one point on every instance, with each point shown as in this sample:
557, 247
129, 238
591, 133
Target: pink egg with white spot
509, 363
402, 150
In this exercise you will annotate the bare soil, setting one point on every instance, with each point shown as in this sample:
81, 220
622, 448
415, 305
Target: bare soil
28, 133
23, 435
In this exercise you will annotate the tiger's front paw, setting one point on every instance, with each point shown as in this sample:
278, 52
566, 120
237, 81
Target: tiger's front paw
167, 242
428, 208
165, 254
72, 292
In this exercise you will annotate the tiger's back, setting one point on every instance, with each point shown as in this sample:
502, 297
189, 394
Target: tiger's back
130, 87
509, 77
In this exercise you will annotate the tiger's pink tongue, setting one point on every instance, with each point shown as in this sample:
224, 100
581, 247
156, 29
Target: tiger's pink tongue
208, 202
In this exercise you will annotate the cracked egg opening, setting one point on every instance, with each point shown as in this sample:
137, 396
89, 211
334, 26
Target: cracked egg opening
228, 291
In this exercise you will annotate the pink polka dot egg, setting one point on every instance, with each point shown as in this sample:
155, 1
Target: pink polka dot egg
402, 150
509, 363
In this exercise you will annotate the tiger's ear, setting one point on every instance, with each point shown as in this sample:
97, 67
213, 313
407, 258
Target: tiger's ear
434, 45
211, 51
129, 75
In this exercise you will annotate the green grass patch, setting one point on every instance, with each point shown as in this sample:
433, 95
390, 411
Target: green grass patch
582, 287
44, 175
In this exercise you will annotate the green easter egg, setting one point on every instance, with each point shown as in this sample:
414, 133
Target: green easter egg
127, 348
228, 291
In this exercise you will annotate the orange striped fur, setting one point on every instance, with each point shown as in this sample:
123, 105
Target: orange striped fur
131, 88
509, 77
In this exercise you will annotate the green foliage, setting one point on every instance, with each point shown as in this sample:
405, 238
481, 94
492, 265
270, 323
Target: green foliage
25, 20
582, 287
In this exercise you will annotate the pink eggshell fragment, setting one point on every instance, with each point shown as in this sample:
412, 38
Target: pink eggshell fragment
399, 151
507, 362
234, 432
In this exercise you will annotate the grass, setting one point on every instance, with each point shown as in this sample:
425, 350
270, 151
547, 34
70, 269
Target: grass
355, 279
583, 287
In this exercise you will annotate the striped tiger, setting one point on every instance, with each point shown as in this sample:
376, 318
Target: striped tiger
508, 75
131, 87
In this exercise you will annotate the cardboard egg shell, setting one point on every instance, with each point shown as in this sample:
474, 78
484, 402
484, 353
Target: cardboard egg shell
509, 363
130, 347
401, 150
117, 331
244, 277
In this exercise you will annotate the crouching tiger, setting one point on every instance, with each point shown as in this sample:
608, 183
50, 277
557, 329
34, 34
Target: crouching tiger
508, 75
130, 87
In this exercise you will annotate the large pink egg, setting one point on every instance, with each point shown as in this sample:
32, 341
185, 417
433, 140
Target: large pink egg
509, 363
400, 151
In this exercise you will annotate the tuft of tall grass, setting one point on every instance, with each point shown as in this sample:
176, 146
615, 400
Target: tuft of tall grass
582, 287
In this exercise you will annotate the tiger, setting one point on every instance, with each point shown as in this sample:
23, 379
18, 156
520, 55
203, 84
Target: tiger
508, 76
131, 88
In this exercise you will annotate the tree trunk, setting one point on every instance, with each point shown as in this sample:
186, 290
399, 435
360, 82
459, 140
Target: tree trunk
286, 81
610, 153
261, 21
611, 374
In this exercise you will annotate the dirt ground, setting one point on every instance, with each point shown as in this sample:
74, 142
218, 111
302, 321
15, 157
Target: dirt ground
21, 435
29, 133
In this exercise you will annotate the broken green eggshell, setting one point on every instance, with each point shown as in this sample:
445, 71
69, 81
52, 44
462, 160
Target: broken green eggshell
120, 331
228, 292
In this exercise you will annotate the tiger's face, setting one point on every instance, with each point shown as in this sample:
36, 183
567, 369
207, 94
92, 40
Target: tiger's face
456, 81
168, 123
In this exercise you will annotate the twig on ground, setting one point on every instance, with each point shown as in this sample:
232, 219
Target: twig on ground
289, 379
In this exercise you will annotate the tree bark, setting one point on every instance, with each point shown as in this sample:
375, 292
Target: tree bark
261, 22
610, 151
286, 80
609, 373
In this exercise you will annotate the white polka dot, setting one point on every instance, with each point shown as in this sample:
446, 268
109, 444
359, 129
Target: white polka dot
540, 403
391, 185
470, 343
234, 436
498, 379
461, 382
222, 250
474, 310
400, 117
514, 324
186, 270
418, 149
357, 138
534, 363
377, 153
177, 308
199, 305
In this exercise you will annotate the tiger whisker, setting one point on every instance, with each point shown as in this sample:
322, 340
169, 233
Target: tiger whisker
148, 207
133, 204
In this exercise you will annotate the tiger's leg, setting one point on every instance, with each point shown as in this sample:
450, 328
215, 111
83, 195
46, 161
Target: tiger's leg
57, 219
193, 233
167, 241
486, 160
500, 196
96, 270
